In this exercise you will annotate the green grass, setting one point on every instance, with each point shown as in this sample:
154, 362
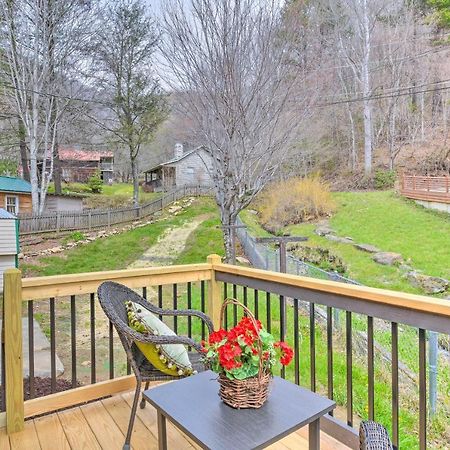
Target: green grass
421, 236
123, 191
117, 252
394, 224
390, 223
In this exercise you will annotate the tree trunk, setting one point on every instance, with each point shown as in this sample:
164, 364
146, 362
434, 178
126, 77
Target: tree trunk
57, 170
366, 93
135, 176
23, 151
229, 234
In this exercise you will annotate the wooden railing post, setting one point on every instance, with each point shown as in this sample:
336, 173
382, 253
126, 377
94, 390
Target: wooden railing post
214, 294
12, 329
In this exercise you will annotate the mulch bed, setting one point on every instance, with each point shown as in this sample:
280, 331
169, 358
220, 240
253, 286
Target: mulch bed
42, 387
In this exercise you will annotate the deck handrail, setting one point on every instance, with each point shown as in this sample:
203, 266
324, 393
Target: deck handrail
426, 188
423, 312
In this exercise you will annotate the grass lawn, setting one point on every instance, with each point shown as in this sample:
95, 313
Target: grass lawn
390, 223
120, 193
117, 252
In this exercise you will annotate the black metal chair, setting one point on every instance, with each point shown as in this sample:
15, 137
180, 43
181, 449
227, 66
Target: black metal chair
373, 436
112, 297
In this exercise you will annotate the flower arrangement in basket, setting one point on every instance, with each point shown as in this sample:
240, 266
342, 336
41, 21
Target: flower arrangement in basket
244, 357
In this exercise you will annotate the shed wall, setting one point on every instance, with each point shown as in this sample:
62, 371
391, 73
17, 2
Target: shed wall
24, 201
8, 244
6, 262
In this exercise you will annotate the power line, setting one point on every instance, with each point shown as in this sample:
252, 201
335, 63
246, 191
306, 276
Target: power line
379, 97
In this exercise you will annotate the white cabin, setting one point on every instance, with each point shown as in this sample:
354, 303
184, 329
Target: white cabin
9, 243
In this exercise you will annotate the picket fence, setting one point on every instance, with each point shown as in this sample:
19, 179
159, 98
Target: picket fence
98, 218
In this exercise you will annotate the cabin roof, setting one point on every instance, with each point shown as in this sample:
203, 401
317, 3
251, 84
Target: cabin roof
14, 184
71, 154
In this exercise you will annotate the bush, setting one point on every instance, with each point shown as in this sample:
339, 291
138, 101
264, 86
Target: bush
294, 201
95, 183
384, 179
74, 237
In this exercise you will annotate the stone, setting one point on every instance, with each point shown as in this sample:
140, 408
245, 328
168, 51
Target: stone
387, 258
252, 211
324, 230
243, 261
341, 240
33, 241
20, 255
86, 363
367, 248
431, 285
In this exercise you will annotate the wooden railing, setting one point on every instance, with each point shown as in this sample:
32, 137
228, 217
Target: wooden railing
100, 218
431, 189
297, 309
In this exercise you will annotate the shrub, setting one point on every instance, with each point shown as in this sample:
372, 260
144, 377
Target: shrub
384, 179
95, 183
294, 201
74, 237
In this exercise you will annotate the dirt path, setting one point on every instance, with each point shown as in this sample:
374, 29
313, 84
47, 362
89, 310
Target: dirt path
169, 246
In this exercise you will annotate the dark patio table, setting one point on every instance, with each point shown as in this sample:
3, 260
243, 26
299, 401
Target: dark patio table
194, 406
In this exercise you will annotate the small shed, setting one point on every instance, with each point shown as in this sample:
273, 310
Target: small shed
184, 169
9, 242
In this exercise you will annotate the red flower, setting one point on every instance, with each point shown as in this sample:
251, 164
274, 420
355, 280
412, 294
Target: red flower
286, 352
228, 354
217, 336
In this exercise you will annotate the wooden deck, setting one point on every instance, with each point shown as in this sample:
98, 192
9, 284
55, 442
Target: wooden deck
103, 424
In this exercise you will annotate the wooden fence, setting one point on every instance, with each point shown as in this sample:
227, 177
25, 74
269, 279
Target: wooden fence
430, 189
97, 218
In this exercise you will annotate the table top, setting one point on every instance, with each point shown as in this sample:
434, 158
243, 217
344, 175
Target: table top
193, 404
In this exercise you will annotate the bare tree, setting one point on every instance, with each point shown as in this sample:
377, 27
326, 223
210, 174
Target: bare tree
123, 59
40, 39
230, 64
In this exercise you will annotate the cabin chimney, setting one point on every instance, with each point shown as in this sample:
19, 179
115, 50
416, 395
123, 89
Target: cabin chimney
178, 150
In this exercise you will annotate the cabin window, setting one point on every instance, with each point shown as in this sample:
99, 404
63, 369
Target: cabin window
12, 204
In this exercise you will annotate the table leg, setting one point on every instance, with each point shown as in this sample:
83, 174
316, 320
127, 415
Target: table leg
162, 432
314, 435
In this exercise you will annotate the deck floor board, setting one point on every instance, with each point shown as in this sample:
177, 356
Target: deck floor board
102, 425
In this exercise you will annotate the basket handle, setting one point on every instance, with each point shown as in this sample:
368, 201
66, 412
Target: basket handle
233, 301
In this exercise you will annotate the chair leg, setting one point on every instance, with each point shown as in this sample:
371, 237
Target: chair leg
126, 446
143, 402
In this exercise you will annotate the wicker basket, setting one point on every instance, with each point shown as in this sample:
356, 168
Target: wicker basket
251, 392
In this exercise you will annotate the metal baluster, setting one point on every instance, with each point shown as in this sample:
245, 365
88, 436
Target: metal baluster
282, 328
52, 345
370, 369
394, 337
93, 362
31, 348
349, 351
225, 315
312, 345
160, 299
144, 292
175, 307
235, 312
256, 307
422, 390
296, 344
189, 305
203, 306
244, 295
268, 315
73, 340
111, 351
330, 352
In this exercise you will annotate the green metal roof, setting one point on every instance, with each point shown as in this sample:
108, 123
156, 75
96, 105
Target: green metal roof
13, 184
